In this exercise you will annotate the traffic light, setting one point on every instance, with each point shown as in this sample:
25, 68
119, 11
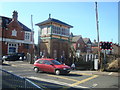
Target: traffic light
106, 45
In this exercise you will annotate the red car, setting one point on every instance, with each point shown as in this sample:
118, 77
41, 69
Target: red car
50, 65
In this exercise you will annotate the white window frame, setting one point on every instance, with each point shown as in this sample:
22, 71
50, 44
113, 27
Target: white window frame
14, 45
14, 32
44, 31
27, 36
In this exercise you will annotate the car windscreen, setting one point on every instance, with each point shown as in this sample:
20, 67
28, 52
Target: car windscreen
55, 62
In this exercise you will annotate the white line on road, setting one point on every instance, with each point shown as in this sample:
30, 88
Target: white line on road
55, 82
110, 73
94, 85
21, 71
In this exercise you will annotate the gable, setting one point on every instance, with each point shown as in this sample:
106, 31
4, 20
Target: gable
6, 21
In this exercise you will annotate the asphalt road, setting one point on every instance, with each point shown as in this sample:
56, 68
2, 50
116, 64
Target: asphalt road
74, 80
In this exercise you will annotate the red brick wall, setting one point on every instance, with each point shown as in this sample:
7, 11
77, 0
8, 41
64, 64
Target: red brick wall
14, 25
4, 48
7, 33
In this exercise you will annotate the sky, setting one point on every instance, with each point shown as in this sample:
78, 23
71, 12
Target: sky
81, 15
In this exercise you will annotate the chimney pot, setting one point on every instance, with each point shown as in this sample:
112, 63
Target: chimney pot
15, 15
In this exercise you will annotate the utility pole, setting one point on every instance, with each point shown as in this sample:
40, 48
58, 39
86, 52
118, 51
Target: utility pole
32, 22
32, 53
97, 24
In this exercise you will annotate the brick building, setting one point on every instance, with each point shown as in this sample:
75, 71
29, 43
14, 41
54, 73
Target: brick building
89, 45
95, 47
79, 44
15, 37
54, 38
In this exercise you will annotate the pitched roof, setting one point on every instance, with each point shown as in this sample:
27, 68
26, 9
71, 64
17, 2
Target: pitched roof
76, 38
86, 40
54, 20
6, 21
95, 44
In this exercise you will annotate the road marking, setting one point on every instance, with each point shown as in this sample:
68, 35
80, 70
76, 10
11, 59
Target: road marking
63, 78
81, 73
55, 82
20, 70
82, 81
94, 85
110, 73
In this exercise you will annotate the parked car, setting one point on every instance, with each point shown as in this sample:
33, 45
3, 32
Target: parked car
13, 57
50, 65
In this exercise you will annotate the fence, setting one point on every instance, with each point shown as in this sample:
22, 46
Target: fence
14, 82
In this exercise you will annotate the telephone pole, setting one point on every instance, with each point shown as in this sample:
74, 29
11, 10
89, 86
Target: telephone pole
97, 24
32, 52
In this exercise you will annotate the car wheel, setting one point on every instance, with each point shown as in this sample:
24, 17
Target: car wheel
57, 72
36, 70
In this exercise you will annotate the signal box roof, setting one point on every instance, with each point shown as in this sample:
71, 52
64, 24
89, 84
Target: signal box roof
54, 20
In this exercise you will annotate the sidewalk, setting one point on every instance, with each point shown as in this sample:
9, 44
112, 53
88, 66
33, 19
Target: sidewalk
97, 72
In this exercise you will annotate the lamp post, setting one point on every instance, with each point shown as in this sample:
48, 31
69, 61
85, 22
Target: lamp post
97, 24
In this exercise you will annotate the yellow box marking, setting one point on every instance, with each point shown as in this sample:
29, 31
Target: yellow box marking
81, 73
82, 81
63, 78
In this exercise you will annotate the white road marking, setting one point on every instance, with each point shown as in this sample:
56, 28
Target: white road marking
110, 73
94, 85
20, 70
56, 82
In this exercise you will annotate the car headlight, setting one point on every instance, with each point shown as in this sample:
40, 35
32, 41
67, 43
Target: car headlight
4, 57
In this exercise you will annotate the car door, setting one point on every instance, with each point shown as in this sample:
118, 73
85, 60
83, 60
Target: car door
48, 67
40, 64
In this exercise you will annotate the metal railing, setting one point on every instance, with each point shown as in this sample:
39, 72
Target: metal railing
14, 82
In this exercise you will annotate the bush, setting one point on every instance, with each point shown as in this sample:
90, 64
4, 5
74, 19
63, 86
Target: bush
114, 64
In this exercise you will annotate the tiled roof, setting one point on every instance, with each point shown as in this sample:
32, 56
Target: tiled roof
95, 44
86, 40
54, 20
76, 38
6, 21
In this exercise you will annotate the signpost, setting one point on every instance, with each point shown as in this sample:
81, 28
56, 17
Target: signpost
105, 46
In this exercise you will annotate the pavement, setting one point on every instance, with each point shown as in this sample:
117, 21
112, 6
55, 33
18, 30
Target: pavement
88, 72
98, 73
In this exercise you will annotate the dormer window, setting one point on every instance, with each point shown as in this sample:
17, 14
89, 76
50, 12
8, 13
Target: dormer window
14, 32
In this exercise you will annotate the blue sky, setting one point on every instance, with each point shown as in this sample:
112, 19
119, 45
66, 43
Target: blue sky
81, 15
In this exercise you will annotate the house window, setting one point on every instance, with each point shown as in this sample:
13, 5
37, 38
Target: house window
27, 36
44, 31
12, 48
78, 44
14, 32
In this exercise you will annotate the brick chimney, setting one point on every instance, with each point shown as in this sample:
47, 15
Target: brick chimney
94, 41
15, 15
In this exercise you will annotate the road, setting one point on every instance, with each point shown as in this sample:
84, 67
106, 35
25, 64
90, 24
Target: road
75, 79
